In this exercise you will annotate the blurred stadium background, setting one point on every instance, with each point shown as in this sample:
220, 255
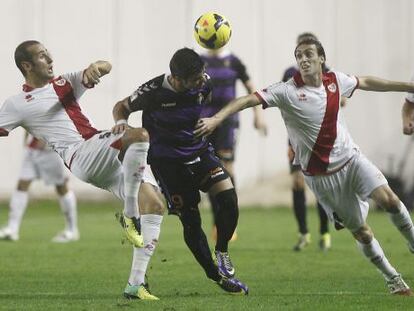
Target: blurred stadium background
360, 37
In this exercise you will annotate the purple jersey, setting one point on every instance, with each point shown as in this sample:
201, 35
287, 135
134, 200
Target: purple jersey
224, 70
170, 118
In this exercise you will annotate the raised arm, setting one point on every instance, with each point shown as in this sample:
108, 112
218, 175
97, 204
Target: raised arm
206, 126
121, 112
381, 85
95, 71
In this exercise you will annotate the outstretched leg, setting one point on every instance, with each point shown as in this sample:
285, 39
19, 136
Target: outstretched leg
134, 149
399, 215
152, 210
373, 251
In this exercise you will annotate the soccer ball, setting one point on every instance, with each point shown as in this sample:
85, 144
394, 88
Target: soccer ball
212, 31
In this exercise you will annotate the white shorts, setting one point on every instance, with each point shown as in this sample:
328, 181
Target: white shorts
346, 191
43, 164
96, 162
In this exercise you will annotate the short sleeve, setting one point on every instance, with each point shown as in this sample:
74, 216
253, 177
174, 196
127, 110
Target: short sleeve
9, 118
76, 80
273, 96
241, 70
410, 96
347, 83
140, 99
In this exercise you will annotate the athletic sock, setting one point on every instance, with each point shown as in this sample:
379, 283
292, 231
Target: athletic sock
133, 167
375, 254
323, 219
299, 208
150, 227
18, 205
404, 224
226, 218
68, 206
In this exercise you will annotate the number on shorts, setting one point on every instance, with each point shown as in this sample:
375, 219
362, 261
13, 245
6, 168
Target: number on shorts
105, 135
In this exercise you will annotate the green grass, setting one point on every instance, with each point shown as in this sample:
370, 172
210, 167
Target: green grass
36, 274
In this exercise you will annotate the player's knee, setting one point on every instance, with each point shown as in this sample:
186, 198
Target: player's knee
23, 185
62, 189
363, 234
386, 199
190, 218
298, 182
390, 202
227, 198
155, 207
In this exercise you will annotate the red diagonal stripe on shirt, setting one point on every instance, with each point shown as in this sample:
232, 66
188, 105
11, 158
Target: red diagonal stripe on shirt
319, 160
65, 93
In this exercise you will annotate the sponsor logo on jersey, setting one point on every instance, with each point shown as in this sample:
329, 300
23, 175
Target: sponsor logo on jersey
332, 87
60, 82
167, 105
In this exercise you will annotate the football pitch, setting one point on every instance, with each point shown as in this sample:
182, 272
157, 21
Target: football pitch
90, 274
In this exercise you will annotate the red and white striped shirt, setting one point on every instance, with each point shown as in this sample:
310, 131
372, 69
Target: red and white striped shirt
313, 118
50, 113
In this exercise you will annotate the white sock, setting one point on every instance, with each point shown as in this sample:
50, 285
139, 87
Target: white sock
150, 227
133, 167
18, 205
404, 224
68, 206
375, 254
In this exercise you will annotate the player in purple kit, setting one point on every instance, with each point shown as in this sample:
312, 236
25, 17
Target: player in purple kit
341, 177
183, 164
224, 69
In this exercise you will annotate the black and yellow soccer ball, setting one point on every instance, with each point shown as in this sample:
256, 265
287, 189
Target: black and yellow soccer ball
212, 31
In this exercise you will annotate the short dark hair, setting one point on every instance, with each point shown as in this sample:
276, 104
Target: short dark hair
186, 63
21, 54
317, 43
305, 35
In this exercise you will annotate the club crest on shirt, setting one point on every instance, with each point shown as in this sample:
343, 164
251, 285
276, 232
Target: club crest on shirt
60, 82
332, 87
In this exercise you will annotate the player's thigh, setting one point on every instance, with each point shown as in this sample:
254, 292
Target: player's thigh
28, 171
210, 173
338, 198
177, 183
50, 167
96, 160
366, 177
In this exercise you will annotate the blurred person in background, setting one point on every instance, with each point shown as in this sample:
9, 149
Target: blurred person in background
41, 162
